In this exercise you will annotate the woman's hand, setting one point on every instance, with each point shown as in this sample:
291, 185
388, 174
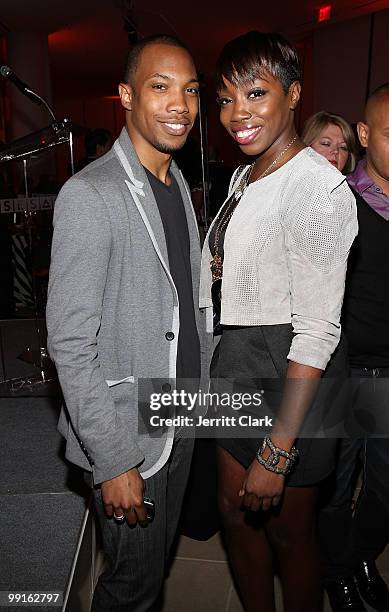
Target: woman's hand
261, 488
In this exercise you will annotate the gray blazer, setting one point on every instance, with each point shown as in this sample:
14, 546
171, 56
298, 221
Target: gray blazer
111, 302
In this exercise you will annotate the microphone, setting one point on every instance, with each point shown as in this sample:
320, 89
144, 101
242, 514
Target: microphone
8, 73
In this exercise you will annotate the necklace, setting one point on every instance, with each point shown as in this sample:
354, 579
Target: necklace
221, 224
274, 162
217, 261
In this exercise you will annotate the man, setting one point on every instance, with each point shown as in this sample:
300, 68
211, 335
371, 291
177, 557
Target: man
123, 284
351, 543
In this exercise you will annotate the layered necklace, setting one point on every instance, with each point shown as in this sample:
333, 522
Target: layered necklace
217, 261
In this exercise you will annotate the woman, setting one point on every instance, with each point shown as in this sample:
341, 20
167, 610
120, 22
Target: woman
279, 245
331, 136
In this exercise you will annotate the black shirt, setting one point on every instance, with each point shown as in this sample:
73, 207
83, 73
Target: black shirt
365, 314
172, 211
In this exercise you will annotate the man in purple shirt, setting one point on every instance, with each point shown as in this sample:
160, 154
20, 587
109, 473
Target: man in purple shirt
352, 542
364, 180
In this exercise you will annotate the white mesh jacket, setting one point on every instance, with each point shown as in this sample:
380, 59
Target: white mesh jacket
285, 255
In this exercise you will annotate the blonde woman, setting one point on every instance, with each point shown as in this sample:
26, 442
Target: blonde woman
332, 137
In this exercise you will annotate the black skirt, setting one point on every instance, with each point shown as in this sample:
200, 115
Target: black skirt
256, 358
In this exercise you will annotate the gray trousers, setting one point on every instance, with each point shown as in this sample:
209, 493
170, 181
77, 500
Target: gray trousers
136, 557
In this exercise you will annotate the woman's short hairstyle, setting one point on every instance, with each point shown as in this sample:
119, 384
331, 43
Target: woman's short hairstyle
319, 121
255, 55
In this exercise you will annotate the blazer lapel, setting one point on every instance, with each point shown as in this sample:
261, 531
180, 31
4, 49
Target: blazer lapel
142, 193
144, 199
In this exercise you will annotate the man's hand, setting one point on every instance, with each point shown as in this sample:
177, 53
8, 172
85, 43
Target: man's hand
123, 495
261, 488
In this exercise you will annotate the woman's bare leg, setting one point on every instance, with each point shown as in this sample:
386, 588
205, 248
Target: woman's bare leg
245, 538
292, 536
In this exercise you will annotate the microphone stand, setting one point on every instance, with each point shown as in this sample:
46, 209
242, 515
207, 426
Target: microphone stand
39, 358
34, 97
56, 125
7, 73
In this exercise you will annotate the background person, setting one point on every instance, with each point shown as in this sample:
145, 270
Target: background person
351, 542
331, 136
97, 142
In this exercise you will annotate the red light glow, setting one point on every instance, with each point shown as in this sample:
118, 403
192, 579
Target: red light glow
324, 13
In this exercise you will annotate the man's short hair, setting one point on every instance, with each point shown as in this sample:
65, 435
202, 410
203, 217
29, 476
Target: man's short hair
136, 51
382, 90
379, 91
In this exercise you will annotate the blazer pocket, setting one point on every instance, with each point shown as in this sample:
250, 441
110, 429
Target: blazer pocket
123, 393
113, 383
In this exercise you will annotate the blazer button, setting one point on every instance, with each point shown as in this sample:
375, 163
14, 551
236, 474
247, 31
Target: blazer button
166, 387
169, 335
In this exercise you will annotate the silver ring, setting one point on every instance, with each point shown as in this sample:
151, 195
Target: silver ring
119, 519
